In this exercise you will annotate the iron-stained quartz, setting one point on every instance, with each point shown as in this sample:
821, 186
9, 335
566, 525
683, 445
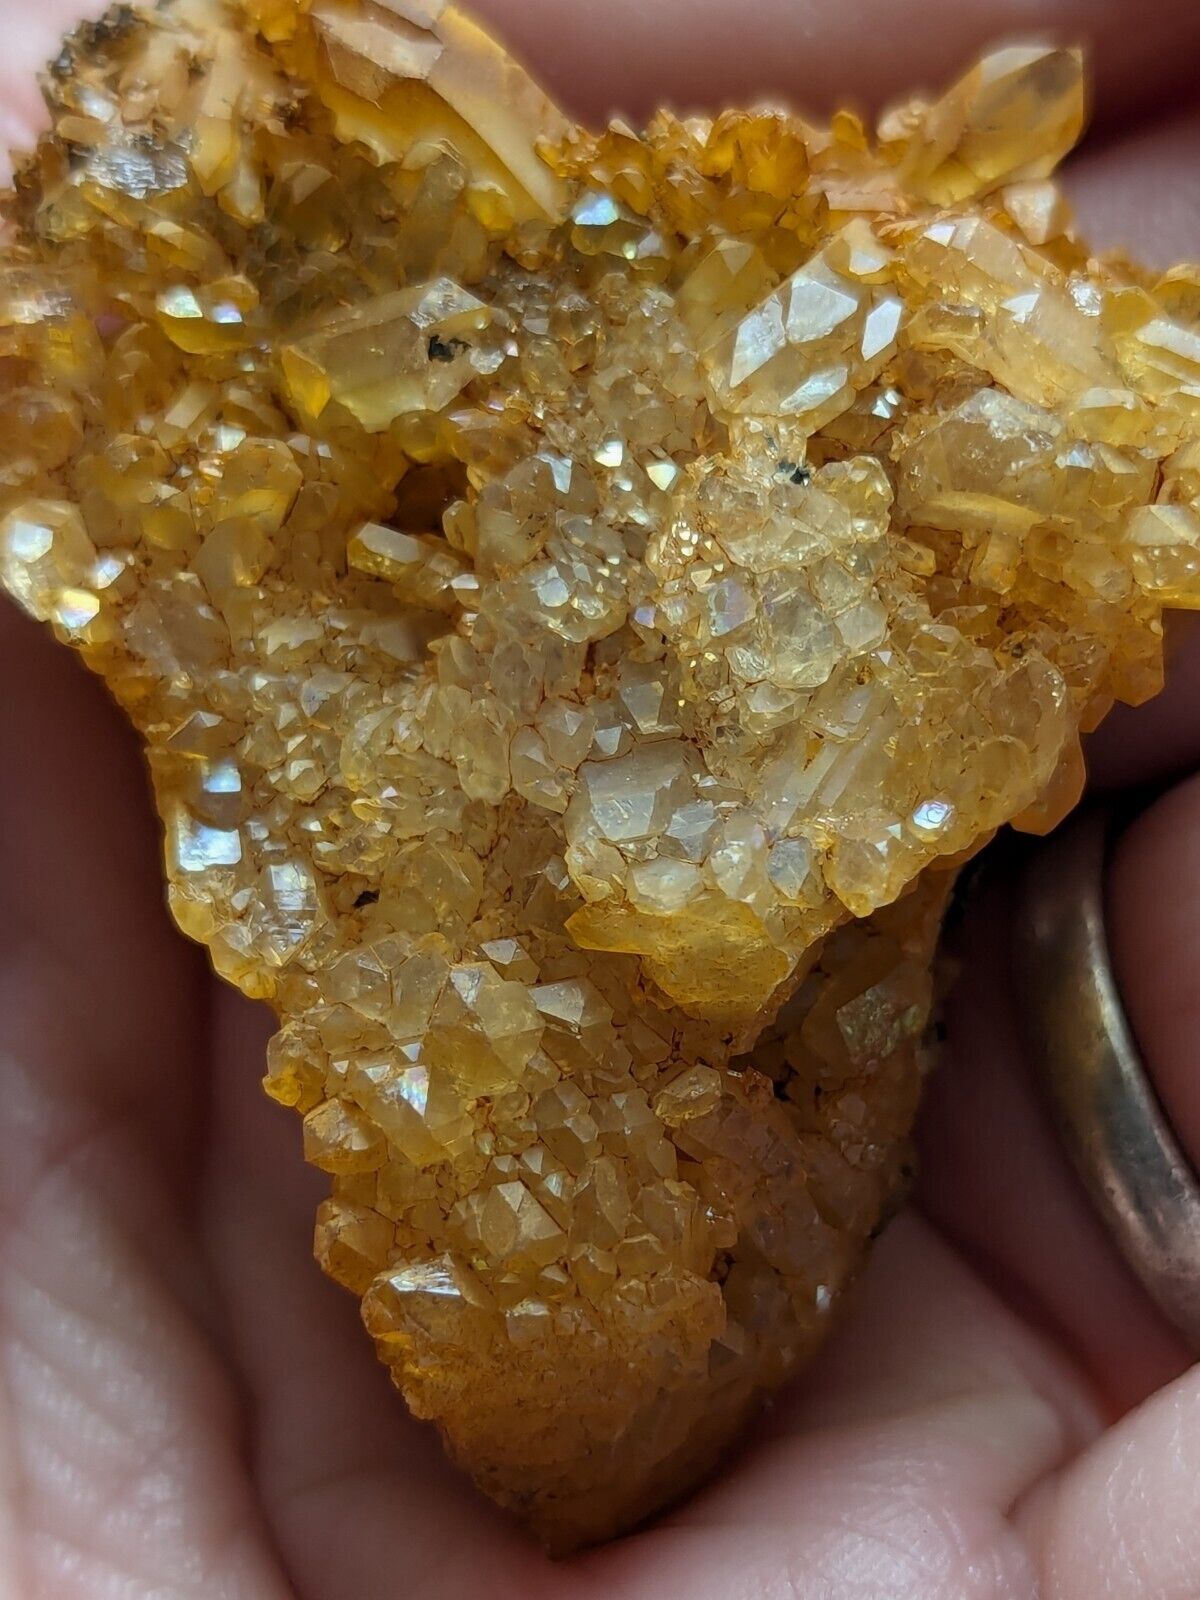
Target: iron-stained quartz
583, 596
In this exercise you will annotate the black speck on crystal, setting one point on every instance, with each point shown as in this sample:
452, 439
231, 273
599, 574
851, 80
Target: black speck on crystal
445, 349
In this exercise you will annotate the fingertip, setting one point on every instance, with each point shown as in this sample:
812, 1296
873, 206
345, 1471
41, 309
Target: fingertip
1142, 195
31, 36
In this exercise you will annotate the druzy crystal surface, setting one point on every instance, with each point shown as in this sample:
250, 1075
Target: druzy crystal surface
582, 596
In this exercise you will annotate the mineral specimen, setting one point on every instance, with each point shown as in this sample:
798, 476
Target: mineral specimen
583, 596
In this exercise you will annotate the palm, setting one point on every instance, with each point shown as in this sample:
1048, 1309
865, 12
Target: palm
193, 1411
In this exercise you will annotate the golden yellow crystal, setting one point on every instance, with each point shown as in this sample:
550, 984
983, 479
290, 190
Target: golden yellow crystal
582, 596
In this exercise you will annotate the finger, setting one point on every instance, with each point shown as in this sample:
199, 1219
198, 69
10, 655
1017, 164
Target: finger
1142, 193
899, 1459
1161, 739
705, 54
31, 39
100, 1005
1120, 1522
121, 1444
994, 1176
333, 1445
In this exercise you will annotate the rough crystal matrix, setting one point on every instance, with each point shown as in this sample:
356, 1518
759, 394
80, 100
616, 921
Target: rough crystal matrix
581, 595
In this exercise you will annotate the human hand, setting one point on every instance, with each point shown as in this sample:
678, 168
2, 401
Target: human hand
189, 1410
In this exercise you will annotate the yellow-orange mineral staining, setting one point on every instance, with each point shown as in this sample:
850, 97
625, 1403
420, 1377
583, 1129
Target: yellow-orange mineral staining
581, 595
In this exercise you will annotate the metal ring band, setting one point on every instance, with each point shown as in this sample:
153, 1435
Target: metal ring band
1081, 1042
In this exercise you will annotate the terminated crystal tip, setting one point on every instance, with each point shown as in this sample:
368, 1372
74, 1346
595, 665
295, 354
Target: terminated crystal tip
583, 597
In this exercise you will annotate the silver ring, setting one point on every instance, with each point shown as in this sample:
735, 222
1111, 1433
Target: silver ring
1077, 1032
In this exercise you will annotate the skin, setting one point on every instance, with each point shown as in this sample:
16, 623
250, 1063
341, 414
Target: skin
188, 1411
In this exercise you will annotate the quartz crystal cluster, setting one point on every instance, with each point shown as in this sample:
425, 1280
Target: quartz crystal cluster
582, 595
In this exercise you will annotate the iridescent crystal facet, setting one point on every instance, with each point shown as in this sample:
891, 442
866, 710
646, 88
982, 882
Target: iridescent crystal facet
583, 596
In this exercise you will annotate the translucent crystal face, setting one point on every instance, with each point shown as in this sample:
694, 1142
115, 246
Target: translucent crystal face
581, 595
